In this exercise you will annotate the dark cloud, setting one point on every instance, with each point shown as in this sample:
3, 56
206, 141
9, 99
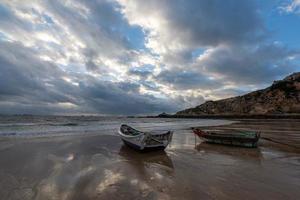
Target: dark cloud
107, 97
26, 88
249, 65
23, 78
182, 80
140, 73
213, 22
91, 66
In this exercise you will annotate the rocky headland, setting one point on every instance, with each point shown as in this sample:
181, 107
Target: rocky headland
281, 98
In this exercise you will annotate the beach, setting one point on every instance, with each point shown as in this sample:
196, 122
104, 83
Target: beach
90, 163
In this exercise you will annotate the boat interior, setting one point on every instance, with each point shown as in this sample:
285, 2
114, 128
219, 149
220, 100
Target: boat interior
129, 131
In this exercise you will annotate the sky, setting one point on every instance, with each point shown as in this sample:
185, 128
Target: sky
134, 57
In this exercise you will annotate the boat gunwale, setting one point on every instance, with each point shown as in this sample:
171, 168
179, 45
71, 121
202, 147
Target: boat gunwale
141, 133
225, 136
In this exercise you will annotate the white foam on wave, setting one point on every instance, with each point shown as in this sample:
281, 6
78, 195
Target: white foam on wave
101, 126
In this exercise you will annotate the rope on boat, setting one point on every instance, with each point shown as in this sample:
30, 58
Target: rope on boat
152, 138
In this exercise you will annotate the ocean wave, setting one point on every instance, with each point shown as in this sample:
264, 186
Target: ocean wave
74, 127
40, 124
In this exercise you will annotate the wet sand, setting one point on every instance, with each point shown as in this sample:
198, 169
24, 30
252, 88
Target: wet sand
101, 167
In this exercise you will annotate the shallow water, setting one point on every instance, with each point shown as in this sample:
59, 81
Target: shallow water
71, 125
99, 166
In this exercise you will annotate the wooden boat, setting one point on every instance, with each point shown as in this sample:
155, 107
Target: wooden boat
229, 137
144, 140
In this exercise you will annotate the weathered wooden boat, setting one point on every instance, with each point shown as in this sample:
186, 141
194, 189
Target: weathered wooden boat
229, 137
144, 140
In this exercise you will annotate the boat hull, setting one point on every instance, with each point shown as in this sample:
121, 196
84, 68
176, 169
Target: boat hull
231, 142
144, 141
229, 139
137, 147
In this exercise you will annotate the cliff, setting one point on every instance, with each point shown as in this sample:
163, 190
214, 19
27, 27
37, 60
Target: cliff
282, 97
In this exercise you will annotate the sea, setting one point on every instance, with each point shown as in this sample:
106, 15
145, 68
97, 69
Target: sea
40, 126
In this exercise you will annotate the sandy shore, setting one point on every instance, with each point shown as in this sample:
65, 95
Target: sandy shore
101, 167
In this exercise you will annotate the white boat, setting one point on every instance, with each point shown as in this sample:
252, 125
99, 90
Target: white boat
144, 140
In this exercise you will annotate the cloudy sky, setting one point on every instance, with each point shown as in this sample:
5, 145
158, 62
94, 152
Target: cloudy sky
128, 57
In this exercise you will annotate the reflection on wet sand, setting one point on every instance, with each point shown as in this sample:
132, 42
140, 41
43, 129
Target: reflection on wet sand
145, 158
101, 167
119, 174
149, 173
239, 152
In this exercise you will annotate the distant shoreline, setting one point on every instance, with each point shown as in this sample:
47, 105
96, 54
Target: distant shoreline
279, 116
208, 116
